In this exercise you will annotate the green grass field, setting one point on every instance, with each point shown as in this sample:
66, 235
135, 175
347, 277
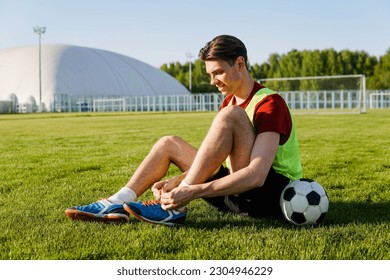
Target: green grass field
53, 161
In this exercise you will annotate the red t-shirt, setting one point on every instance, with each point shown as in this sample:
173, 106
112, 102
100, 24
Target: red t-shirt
271, 113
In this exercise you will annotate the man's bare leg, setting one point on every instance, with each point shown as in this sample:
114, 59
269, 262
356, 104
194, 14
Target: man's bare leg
231, 134
167, 150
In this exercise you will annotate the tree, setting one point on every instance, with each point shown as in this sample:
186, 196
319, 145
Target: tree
332, 62
327, 62
291, 64
381, 76
201, 79
274, 69
256, 72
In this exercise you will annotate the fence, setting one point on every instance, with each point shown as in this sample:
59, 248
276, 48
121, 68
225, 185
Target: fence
193, 102
347, 100
379, 100
305, 101
296, 100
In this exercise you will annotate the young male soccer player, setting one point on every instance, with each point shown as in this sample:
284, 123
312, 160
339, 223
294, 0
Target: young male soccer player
253, 131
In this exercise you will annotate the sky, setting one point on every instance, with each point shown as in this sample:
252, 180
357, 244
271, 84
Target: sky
164, 31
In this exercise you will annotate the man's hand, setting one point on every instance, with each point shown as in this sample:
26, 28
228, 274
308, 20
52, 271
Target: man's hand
167, 185
176, 198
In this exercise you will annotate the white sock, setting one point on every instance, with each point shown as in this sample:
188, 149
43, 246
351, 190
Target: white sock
125, 194
183, 184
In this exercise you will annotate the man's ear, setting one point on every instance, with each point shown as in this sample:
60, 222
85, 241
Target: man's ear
241, 63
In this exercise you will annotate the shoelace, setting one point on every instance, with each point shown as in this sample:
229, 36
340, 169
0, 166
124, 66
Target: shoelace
151, 202
157, 201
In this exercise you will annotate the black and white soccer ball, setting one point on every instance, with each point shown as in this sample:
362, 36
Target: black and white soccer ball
304, 202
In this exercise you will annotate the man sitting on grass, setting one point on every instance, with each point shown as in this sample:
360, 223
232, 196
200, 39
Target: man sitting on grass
253, 131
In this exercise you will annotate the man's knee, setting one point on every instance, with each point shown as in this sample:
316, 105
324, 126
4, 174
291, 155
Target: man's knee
234, 115
232, 110
168, 141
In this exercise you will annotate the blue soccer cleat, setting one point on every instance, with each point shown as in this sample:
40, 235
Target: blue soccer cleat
151, 212
101, 211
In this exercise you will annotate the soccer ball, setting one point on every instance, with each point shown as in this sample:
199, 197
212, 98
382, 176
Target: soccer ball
304, 202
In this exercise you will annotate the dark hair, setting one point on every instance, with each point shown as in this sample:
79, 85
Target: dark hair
224, 47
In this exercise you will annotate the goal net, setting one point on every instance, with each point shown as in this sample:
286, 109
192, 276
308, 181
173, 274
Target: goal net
322, 94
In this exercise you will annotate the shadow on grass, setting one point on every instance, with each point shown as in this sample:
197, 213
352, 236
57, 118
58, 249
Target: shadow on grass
340, 213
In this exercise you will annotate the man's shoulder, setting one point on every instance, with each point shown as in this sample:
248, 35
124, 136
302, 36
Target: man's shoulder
226, 101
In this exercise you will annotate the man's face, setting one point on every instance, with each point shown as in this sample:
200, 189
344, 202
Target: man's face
225, 77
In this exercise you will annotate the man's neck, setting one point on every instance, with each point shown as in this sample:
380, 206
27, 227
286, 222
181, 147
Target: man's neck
245, 90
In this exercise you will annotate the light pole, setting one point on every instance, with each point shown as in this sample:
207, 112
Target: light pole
40, 30
189, 56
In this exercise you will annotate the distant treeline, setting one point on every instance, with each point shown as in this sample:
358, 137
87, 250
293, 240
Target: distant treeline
327, 62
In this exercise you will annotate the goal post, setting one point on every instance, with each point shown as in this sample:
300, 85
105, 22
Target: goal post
322, 94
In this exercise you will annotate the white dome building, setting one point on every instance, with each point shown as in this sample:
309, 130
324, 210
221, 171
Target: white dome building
78, 78
10, 104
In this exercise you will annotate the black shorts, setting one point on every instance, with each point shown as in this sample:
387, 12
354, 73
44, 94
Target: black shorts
258, 202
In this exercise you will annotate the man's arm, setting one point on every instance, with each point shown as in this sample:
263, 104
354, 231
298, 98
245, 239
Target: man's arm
167, 185
263, 154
